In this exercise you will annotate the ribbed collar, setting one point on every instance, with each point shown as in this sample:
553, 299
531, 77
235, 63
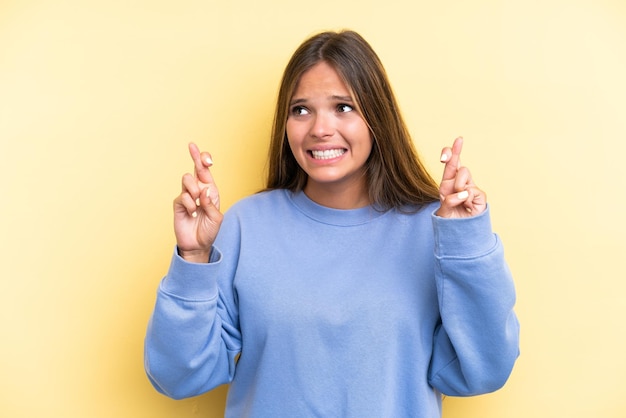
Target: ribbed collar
330, 216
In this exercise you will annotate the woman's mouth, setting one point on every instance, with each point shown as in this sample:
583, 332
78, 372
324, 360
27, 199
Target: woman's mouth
327, 154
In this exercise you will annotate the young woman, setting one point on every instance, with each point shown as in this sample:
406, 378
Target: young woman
354, 285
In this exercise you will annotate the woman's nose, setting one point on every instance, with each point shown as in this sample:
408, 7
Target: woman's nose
323, 125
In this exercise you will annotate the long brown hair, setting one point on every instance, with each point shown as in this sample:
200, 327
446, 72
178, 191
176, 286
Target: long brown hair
396, 177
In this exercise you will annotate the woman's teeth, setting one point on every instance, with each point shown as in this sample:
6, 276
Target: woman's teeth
327, 154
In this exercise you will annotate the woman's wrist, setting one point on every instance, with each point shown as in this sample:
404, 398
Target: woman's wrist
195, 256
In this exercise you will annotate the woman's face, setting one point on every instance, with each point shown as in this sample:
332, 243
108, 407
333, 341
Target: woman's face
327, 135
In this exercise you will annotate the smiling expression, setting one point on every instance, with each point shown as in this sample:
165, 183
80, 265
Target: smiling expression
327, 135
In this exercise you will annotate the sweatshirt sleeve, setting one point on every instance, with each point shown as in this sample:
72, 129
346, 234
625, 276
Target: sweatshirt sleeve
477, 342
192, 340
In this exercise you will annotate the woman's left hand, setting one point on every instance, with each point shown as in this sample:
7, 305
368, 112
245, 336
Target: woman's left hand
460, 198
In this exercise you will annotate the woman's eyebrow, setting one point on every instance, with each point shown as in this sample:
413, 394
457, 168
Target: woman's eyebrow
297, 101
341, 98
333, 97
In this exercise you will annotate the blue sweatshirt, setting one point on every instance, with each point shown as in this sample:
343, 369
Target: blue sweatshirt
315, 312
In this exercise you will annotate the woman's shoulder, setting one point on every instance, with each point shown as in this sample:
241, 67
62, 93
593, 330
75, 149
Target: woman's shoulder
418, 211
263, 200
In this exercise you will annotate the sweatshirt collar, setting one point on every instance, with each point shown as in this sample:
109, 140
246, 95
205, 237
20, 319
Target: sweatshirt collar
330, 216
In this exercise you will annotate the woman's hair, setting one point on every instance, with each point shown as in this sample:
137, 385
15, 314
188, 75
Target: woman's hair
396, 178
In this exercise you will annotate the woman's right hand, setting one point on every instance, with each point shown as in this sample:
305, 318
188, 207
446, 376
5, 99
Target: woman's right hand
197, 216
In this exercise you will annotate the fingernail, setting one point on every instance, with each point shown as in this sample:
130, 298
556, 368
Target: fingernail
444, 157
208, 191
208, 160
194, 214
463, 195
198, 201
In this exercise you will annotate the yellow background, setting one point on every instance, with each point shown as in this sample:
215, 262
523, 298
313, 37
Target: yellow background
98, 100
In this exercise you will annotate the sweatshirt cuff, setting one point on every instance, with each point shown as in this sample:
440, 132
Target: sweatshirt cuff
464, 237
192, 281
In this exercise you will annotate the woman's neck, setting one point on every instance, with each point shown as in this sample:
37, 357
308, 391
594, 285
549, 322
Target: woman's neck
338, 196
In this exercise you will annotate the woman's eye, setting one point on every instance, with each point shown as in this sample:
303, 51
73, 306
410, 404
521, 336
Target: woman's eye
344, 108
299, 111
